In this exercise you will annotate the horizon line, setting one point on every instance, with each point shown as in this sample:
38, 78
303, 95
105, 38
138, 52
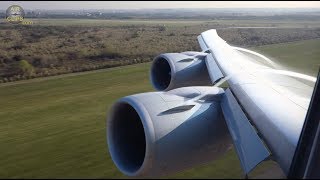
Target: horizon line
174, 8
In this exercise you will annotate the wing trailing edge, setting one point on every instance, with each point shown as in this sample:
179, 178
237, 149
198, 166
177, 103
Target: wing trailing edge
249, 147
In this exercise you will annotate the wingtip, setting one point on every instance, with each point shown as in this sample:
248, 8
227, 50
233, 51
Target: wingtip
210, 31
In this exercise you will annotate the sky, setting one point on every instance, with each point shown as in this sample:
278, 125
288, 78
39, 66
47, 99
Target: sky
50, 5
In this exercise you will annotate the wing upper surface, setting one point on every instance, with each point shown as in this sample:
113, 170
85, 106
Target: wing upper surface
276, 104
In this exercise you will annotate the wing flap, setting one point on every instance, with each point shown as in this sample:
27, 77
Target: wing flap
249, 147
213, 69
202, 43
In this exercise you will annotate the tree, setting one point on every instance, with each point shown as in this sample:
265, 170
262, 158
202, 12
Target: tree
162, 28
25, 67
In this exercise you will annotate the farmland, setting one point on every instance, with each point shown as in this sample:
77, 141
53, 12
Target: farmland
55, 127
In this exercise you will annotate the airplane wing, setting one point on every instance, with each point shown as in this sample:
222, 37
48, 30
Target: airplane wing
190, 122
276, 105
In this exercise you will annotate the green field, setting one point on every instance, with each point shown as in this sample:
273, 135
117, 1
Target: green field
55, 127
301, 56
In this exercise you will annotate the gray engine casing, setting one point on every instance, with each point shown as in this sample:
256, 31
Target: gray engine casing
151, 134
174, 70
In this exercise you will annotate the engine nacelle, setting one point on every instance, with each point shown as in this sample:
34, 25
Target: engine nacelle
174, 70
158, 133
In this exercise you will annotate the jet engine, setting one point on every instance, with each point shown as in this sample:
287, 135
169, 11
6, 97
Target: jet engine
174, 70
158, 133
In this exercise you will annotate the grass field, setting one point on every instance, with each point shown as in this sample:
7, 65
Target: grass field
55, 127
302, 56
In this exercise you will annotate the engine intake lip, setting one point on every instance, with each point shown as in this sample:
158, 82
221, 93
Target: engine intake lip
149, 135
161, 73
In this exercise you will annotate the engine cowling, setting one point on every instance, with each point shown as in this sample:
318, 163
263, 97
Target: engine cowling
174, 70
158, 133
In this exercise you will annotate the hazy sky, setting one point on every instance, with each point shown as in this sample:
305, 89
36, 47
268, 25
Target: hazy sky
158, 4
